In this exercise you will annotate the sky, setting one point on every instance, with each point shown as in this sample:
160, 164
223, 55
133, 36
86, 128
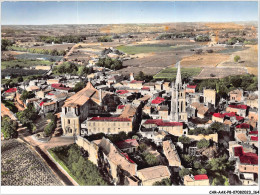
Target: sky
101, 12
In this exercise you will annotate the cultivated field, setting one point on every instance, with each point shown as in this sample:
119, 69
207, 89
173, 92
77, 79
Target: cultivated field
59, 47
22, 167
24, 63
170, 73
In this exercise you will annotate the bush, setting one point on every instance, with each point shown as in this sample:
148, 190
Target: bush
163, 182
203, 144
150, 159
49, 128
184, 140
114, 64
236, 58
184, 172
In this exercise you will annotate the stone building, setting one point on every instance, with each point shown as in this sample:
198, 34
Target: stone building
78, 107
197, 180
209, 96
151, 175
171, 154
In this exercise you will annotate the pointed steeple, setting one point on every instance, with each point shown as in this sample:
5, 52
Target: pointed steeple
178, 82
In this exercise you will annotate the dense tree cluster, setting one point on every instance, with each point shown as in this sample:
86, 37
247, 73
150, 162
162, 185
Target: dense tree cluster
247, 82
142, 77
163, 182
53, 52
114, 64
48, 130
85, 172
104, 39
26, 95
9, 104
9, 127
61, 39
27, 116
202, 38
79, 86
203, 144
169, 36
5, 43
234, 40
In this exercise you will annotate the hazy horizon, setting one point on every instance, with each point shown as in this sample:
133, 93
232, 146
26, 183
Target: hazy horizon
126, 12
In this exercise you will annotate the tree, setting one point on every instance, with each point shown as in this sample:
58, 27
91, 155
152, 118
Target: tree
142, 146
20, 79
163, 182
202, 171
203, 144
5, 43
150, 159
236, 58
184, 172
49, 128
184, 140
79, 86
27, 95
141, 75
197, 165
9, 128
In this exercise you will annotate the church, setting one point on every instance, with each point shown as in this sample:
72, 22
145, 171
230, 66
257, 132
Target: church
178, 101
78, 107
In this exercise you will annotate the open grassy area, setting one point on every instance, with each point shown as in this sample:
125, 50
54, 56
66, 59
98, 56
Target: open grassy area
24, 63
170, 73
149, 48
83, 171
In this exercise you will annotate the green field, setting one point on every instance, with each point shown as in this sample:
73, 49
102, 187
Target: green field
24, 63
149, 48
170, 73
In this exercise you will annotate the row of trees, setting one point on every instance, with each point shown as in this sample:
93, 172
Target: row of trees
169, 36
104, 39
114, 64
61, 39
72, 68
52, 52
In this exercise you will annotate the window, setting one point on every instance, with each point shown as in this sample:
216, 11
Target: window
68, 121
128, 124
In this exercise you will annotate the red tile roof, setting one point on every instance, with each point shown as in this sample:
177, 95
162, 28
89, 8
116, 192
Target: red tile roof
253, 132
120, 106
160, 122
42, 103
134, 81
146, 88
109, 119
254, 138
191, 86
11, 90
121, 92
229, 114
244, 107
60, 86
50, 94
238, 151
158, 100
243, 126
127, 144
249, 158
200, 177
246, 158
127, 157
